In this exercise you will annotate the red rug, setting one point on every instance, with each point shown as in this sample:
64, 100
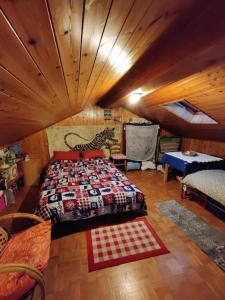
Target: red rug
118, 244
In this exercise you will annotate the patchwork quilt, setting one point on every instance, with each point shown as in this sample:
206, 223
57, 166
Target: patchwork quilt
86, 188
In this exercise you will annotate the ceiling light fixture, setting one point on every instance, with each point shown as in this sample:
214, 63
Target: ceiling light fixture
135, 96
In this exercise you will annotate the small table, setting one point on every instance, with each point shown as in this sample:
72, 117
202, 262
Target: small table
179, 161
119, 159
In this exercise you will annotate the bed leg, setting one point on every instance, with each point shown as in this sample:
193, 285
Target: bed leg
183, 191
166, 173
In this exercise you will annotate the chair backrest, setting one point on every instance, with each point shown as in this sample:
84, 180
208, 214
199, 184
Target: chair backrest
114, 149
4, 236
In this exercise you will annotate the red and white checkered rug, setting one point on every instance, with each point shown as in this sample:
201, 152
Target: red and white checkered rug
117, 244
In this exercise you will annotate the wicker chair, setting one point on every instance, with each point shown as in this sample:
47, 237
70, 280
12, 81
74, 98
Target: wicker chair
35, 276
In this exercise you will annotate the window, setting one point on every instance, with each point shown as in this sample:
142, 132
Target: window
189, 113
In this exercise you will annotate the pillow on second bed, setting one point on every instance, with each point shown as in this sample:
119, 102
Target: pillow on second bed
66, 155
93, 153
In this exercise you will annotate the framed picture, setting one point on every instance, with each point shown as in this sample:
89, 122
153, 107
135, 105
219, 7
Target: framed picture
107, 114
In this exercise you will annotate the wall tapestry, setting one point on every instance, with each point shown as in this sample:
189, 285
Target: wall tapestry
78, 138
141, 141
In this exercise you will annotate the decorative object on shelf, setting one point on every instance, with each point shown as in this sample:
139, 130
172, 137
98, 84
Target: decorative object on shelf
9, 172
10, 157
17, 149
107, 114
9, 196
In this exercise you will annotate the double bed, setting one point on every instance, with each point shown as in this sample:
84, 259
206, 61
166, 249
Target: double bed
75, 190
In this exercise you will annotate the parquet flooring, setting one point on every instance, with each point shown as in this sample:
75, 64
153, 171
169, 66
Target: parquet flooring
186, 273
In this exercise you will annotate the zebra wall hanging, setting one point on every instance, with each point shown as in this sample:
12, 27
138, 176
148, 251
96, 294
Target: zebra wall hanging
101, 139
79, 138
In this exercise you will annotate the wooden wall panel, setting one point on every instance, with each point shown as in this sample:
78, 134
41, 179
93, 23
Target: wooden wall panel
204, 146
36, 145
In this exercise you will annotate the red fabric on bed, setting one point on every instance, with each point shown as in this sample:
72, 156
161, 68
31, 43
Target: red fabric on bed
93, 154
66, 155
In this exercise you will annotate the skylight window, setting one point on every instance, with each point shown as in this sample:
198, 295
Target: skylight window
189, 113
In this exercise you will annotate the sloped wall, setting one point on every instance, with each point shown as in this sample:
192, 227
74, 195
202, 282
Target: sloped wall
36, 145
204, 146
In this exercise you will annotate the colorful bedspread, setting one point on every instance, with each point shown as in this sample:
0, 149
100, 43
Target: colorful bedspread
86, 188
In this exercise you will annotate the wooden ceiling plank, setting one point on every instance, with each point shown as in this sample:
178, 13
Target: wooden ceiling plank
160, 15
192, 86
109, 74
11, 86
197, 63
116, 34
15, 58
15, 108
67, 17
37, 36
95, 17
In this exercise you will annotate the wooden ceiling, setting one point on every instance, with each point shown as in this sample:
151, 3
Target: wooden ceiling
57, 56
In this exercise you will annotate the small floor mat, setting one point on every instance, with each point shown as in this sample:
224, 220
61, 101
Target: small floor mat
207, 238
122, 243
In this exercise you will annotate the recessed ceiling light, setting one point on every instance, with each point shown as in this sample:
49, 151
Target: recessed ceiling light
135, 96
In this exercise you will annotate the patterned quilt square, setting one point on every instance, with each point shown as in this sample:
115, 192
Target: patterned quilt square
108, 199
120, 198
54, 198
94, 192
68, 195
70, 205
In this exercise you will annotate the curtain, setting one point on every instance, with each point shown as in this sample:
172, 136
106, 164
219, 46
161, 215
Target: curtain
141, 141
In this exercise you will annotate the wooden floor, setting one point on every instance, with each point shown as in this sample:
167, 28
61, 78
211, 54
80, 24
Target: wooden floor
185, 273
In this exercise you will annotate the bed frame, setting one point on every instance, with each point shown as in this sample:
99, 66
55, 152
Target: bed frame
209, 203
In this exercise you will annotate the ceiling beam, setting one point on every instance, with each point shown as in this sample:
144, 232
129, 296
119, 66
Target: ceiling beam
197, 29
